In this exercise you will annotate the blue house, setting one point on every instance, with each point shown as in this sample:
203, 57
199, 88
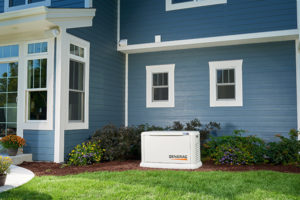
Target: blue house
69, 67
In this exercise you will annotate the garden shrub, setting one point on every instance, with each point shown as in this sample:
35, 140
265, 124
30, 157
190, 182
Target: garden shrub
286, 151
86, 154
125, 142
235, 149
196, 125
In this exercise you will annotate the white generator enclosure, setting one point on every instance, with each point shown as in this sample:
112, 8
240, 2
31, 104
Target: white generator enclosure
171, 149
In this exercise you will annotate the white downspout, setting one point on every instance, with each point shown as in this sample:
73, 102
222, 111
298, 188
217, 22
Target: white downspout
126, 90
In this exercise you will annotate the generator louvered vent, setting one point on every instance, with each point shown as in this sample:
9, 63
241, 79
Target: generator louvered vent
197, 151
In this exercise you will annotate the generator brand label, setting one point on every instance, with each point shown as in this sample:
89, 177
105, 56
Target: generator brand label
178, 157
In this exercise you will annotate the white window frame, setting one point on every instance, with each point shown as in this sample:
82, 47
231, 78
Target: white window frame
26, 5
88, 3
23, 94
196, 3
222, 65
150, 70
77, 125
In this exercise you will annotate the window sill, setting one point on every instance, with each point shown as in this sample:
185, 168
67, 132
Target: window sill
77, 126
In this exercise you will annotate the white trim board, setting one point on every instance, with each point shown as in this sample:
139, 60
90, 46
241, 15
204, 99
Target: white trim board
126, 90
297, 51
248, 38
150, 70
192, 4
237, 65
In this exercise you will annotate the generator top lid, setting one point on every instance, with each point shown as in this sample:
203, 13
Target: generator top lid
170, 133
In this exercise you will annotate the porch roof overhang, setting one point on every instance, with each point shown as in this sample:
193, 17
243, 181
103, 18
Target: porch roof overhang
37, 23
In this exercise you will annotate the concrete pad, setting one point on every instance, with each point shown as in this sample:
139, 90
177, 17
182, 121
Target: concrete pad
18, 176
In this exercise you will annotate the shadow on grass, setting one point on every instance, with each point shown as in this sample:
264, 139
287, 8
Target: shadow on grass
24, 195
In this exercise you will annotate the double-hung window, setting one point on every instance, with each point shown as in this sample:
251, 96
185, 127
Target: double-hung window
183, 4
11, 5
78, 84
160, 86
226, 87
38, 87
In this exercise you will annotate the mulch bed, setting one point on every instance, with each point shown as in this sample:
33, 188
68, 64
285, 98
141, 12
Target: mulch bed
45, 168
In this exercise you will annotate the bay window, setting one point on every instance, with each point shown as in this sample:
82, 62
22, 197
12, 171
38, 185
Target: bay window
11, 5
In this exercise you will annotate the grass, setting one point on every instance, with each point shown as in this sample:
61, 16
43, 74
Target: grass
161, 185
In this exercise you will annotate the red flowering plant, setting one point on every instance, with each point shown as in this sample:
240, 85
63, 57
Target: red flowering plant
12, 141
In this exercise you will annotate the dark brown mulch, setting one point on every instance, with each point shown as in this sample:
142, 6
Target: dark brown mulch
44, 168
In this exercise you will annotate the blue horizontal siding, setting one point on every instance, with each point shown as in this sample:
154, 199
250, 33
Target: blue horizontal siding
142, 20
40, 144
269, 88
67, 3
107, 74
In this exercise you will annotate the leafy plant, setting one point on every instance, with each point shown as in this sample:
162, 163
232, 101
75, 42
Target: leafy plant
5, 163
286, 151
235, 149
196, 125
85, 154
12, 141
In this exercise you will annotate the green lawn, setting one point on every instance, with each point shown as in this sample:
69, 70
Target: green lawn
162, 185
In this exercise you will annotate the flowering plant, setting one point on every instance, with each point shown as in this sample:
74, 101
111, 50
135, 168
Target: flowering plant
86, 154
12, 141
5, 163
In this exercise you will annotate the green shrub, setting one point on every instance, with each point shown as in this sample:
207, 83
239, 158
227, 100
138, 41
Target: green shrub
235, 149
85, 154
196, 125
286, 151
125, 142
121, 143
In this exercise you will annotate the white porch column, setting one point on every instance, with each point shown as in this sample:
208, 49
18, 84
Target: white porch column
60, 109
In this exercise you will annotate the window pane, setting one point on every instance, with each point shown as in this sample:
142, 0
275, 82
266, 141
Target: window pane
160, 79
2, 114
11, 129
76, 50
12, 99
13, 3
35, 1
231, 76
2, 99
12, 85
11, 115
40, 47
37, 73
3, 70
219, 76
181, 1
76, 106
38, 105
12, 69
225, 76
76, 75
226, 92
3, 85
160, 94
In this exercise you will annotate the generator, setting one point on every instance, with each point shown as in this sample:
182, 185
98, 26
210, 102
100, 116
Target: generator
171, 149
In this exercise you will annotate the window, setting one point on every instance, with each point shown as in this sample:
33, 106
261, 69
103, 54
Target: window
183, 4
11, 5
8, 98
78, 84
160, 86
76, 91
226, 88
38, 85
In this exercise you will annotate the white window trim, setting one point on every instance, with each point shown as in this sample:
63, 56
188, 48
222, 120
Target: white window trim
196, 3
27, 5
231, 64
23, 90
170, 69
74, 125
